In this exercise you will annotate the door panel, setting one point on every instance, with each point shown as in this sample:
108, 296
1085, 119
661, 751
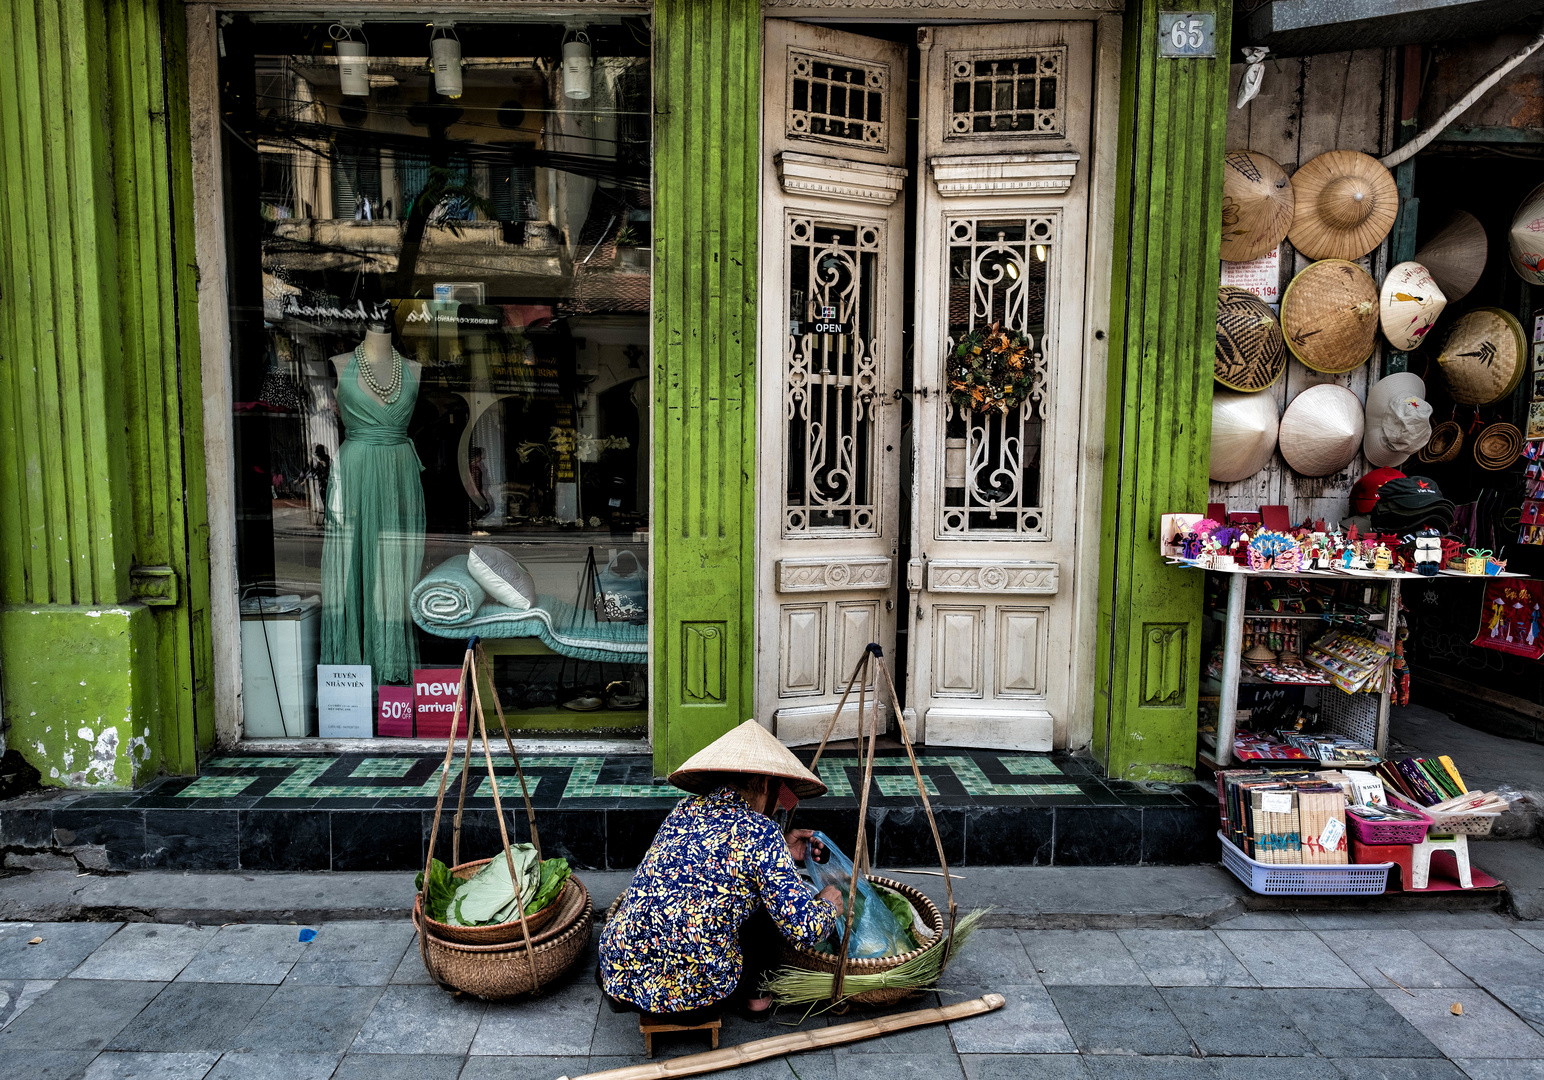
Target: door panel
832, 274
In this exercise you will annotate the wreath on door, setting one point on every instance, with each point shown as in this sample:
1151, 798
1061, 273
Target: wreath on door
992, 370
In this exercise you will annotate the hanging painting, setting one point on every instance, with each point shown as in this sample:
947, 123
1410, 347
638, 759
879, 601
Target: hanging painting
1512, 618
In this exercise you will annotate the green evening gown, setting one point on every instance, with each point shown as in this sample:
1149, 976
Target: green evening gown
374, 548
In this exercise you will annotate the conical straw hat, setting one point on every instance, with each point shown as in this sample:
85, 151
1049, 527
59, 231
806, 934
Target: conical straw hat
1251, 353
1526, 240
1483, 356
1256, 205
1346, 205
1321, 431
1330, 316
749, 748
1243, 434
1411, 303
1456, 255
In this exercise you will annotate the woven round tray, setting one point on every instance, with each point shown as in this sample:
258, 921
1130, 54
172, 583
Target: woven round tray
1498, 446
498, 933
814, 961
503, 971
1447, 439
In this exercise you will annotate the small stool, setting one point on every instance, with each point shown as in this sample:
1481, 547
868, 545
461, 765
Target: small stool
1398, 854
650, 1028
1421, 857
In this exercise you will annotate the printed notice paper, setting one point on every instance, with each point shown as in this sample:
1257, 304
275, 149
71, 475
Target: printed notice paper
343, 701
1276, 802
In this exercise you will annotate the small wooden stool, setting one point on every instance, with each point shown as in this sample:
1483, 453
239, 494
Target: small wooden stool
650, 1028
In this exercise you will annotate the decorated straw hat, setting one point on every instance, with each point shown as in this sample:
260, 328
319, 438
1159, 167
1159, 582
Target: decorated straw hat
1330, 316
1456, 255
1411, 302
1256, 205
1484, 356
749, 748
1526, 240
1321, 431
1251, 354
1398, 419
1346, 205
1447, 439
1498, 446
1243, 434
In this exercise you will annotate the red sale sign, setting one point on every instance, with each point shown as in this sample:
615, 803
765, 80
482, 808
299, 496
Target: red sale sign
394, 712
434, 695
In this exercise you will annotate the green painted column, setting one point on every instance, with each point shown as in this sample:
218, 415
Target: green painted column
1173, 119
707, 109
103, 553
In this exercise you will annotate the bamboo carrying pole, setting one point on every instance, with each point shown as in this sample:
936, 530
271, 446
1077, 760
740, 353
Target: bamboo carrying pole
760, 1049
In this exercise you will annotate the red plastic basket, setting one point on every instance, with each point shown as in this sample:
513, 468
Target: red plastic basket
1389, 832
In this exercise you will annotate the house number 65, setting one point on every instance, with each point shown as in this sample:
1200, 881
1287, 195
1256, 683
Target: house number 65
1187, 33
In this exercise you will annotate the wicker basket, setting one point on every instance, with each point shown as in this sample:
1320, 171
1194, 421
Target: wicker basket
504, 971
814, 961
1389, 832
1450, 824
499, 933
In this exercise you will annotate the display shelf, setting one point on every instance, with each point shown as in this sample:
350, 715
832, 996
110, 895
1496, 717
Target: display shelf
1321, 616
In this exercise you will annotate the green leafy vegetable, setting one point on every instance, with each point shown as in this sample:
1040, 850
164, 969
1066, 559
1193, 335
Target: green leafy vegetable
554, 872
442, 888
490, 895
901, 908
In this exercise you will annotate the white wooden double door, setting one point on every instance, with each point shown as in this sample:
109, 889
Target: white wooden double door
987, 501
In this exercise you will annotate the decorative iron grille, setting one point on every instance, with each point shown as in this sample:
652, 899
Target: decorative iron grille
1007, 92
837, 99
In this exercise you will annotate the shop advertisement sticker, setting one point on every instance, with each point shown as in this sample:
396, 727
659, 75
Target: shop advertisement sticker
434, 699
343, 701
1276, 802
1260, 276
394, 712
1334, 832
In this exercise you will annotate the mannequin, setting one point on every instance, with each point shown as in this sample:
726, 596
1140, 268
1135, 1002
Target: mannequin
373, 549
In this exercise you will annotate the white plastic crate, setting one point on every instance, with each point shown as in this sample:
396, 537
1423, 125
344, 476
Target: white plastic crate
1289, 879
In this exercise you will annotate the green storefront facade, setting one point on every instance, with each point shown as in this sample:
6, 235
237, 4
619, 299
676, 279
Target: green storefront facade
120, 647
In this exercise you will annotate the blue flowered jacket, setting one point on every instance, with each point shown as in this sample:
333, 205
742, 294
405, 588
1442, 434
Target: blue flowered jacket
674, 943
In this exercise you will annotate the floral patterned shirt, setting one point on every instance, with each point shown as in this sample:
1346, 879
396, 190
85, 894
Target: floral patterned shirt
674, 943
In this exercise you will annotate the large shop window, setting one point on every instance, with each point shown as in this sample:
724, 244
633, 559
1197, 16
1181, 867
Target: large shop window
439, 283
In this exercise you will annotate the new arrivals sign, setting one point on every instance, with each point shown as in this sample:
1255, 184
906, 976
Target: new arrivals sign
434, 695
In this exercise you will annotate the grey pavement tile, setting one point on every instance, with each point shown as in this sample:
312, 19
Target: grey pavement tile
268, 1066
155, 952
1486, 1029
816, 1065
1023, 1067
1405, 920
1081, 958
558, 1024
380, 941
990, 956
1378, 956
932, 1039
345, 973
616, 1035
420, 1020
131, 1066
245, 953
1500, 1068
1261, 920
1028, 1023
398, 1066
1397, 1069
77, 1014
1235, 1021
523, 1068
48, 1064
850, 1066
17, 994
410, 970
1185, 958
1488, 956
1352, 1023
1288, 958
309, 1019
1525, 1001
189, 1017
1311, 1068
61, 951
1158, 1067
1120, 1020
1532, 936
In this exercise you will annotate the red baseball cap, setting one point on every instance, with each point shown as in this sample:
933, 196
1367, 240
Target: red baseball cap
1365, 495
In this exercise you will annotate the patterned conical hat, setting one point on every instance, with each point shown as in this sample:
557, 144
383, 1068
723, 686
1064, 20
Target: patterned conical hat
749, 748
1526, 240
1346, 205
1243, 434
1251, 353
1330, 316
1257, 205
1411, 302
1484, 356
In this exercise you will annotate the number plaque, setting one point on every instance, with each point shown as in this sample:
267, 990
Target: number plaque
1187, 34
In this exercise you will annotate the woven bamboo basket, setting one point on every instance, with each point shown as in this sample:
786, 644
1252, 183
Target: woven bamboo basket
499, 933
1447, 439
1498, 446
504, 971
794, 956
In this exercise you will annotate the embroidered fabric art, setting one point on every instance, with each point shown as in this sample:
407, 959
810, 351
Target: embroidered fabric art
673, 944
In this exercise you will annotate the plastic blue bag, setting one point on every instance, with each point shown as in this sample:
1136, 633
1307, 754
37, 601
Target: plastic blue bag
875, 930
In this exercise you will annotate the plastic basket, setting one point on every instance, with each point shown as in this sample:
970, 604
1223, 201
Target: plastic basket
1368, 879
1389, 832
1450, 824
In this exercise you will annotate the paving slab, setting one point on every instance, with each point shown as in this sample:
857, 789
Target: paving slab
930, 1040
134, 1066
1120, 1020
1489, 956
1153, 1067
1028, 1023
1023, 1067
994, 955
78, 1014
17, 994
1500, 1068
398, 1066
154, 952
63, 948
1397, 1069
1526, 1001
557, 1024
1288, 958
309, 1019
49, 1064
420, 1020
247, 953
1352, 1023
1235, 1021
1271, 1068
238, 1065
1185, 958
1486, 1029
1081, 958
850, 1066
1381, 957
523, 1068
193, 1017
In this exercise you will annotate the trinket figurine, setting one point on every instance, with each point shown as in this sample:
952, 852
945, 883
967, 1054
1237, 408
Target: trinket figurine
1428, 552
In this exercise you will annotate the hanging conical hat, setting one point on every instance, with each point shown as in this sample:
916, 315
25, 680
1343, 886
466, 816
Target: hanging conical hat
1484, 356
1256, 205
1456, 255
749, 748
1346, 205
1251, 354
1526, 240
1321, 431
1411, 303
1398, 419
1329, 315
1243, 434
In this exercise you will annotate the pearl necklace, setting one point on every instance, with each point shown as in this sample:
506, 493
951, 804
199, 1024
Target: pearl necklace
393, 389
